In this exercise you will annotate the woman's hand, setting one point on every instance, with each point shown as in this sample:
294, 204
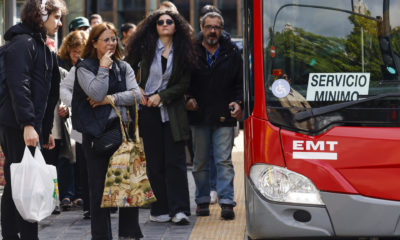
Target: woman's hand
51, 145
63, 111
191, 104
31, 138
107, 100
143, 100
106, 60
154, 100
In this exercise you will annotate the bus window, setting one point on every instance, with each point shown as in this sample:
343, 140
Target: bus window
330, 52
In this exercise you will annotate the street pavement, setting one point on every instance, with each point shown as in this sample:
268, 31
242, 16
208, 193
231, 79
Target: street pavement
70, 225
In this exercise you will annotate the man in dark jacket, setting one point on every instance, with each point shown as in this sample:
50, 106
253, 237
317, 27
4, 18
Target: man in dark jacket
26, 114
214, 103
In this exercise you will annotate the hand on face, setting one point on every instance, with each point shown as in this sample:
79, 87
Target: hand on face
106, 60
105, 46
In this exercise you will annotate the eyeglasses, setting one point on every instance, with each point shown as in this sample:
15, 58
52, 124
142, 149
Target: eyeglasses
106, 40
215, 28
168, 22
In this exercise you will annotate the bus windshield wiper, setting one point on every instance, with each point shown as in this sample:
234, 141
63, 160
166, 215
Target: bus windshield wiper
314, 112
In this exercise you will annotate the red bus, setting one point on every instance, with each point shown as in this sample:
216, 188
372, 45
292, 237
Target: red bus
322, 128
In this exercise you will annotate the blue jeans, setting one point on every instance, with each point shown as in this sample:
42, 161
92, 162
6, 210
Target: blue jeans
213, 172
220, 139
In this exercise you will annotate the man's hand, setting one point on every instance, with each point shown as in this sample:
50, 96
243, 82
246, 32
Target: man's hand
154, 100
51, 145
31, 137
107, 100
236, 110
191, 104
63, 111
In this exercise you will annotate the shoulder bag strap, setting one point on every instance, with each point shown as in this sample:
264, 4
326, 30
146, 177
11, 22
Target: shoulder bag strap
125, 135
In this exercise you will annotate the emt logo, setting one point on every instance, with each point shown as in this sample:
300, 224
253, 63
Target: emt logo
320, 150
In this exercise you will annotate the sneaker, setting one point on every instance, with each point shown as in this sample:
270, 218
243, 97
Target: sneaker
78, 202
56, 211
161, 218
180, 219
227, 212
203, 209
65, 204
213, 196
86, 215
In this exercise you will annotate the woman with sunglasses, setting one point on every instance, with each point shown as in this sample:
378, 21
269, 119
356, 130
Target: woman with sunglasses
162, 48
103, 78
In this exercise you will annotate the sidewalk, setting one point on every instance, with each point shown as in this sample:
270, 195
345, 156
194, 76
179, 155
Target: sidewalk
70, 225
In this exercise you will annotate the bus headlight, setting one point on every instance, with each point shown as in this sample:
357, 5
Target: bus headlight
282, 185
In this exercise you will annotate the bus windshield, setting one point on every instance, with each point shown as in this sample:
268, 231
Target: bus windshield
320, 53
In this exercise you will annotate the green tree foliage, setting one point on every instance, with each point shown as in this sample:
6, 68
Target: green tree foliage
299, 52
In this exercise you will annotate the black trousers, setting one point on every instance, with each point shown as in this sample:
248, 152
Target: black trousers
13, 145
81, 168
166, 164
100, 217
65, 170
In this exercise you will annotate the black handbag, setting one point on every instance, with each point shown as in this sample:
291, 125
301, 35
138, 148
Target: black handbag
110, 140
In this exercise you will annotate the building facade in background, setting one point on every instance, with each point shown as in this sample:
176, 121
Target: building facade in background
9, 15
122, 11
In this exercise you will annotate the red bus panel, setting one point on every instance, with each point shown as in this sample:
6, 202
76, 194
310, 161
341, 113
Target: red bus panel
356, 160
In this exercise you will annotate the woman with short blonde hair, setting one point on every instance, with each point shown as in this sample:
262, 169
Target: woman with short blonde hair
71, 48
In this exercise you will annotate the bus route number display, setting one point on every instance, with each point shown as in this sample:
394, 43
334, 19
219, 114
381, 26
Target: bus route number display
326, 87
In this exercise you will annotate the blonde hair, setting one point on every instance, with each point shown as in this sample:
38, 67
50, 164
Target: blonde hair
167, 5
72, 40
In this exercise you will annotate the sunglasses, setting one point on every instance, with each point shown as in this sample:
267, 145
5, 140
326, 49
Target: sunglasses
168, 22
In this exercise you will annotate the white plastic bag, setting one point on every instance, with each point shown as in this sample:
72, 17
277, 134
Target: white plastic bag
34, 188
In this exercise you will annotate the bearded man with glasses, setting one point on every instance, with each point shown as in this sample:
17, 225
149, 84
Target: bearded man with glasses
214, 101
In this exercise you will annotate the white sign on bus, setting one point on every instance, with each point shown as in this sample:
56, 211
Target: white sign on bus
325, 87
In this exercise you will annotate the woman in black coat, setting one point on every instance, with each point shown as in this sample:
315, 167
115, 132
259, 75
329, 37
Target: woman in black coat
163, 46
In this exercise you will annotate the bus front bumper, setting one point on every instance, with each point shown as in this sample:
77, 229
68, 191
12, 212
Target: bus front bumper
343, 216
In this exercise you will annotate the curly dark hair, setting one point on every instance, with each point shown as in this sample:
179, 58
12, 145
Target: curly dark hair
143, 43
31, 13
